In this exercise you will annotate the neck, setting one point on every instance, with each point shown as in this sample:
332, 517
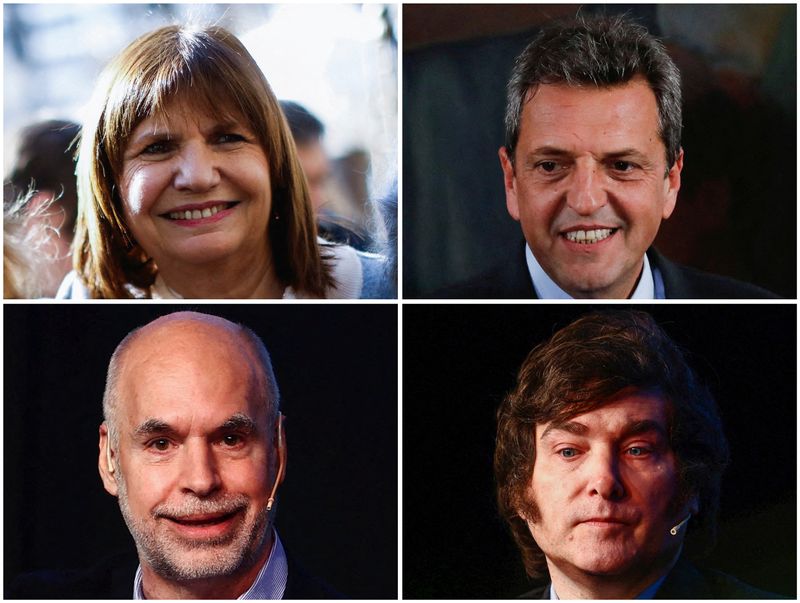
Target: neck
573, 583
155, 586
224, 279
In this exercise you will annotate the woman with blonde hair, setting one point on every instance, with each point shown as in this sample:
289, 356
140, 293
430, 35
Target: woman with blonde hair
189, 184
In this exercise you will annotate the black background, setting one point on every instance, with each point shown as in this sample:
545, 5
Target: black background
460, 360
337, 370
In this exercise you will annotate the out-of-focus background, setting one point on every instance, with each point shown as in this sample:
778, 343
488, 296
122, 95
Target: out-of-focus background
737, 208
337, 61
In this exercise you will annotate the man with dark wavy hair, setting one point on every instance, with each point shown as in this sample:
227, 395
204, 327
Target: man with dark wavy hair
609, 452
591, 166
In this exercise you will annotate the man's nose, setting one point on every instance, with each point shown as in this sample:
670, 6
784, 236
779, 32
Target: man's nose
197, 169
199, 469
603, 478
586, 194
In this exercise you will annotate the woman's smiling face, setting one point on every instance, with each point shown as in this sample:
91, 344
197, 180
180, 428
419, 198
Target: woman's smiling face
196, 188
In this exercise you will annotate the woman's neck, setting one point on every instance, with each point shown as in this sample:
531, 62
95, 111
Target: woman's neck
223, 280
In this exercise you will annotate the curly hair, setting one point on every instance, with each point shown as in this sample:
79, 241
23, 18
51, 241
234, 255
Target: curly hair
580, 368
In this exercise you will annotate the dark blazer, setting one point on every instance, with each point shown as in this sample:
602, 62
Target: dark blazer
511, 280
113, 577
686, 581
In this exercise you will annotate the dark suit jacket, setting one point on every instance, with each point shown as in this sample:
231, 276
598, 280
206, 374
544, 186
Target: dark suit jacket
113, 577
686, 581
511, 280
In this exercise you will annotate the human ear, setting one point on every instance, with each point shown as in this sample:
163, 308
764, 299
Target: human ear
280, 451
510, 183
106, 463
673, 186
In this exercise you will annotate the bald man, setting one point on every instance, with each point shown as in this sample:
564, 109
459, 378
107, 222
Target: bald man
193, 447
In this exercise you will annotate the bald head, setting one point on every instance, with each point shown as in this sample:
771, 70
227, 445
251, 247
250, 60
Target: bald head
184, 343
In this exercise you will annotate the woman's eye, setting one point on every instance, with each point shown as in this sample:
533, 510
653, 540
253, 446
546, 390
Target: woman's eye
230, 138
568, 453
156, 148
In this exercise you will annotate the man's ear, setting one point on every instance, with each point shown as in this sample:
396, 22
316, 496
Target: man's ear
107, 462
673, 185
510, 183
281, 445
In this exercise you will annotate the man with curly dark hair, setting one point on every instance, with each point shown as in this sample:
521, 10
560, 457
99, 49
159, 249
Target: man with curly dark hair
609, 452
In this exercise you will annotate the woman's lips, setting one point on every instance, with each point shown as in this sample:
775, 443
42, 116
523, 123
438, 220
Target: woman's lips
205, 213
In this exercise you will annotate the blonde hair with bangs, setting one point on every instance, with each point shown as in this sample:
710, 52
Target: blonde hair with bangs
207, 67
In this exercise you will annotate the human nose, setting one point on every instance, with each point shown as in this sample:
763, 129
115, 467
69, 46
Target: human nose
199, 472
585, 194
197, 169
604, 477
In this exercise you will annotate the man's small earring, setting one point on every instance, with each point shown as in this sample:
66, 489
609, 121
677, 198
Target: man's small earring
276, 216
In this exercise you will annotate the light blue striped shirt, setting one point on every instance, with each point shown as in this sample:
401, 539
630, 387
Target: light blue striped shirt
269, 584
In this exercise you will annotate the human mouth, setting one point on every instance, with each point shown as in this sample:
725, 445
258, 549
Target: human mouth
206, 525
589, 236
194, 213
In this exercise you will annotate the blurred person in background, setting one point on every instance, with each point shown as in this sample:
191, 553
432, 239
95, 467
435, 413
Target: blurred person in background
40, 209
307, 131
189, 184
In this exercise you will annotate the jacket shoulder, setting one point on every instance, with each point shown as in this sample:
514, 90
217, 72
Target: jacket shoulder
682, 282
508, 279
686, 581
112, 578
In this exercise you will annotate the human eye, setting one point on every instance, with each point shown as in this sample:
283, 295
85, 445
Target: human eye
157, 148
228, 138
638, 451
232, 440
567, 453
548, 166
159, 445
623, 167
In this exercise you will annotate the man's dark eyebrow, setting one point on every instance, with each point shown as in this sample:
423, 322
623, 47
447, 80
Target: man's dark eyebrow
632, 429
644, 426
239, 422
153, 427
546, 151
572, 427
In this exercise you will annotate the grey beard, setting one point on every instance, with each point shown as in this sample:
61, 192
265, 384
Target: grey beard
168, 555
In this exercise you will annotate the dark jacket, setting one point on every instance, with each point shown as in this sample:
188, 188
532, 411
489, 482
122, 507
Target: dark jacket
113, 577
511, 280
686, 581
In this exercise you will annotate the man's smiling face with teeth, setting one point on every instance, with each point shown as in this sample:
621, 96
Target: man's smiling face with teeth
590, 185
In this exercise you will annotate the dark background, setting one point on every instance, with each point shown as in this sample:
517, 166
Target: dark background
460, 360
337, 371
736, 211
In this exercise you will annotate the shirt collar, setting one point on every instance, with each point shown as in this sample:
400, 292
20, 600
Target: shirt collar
647, 593
650, 286
269, 584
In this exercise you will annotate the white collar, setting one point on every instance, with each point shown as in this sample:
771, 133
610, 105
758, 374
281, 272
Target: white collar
546, 288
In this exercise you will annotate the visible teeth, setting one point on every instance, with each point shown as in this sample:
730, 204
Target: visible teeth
589, 236
196, 214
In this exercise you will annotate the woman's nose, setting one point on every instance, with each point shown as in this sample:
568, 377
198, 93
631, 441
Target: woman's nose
197, 169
